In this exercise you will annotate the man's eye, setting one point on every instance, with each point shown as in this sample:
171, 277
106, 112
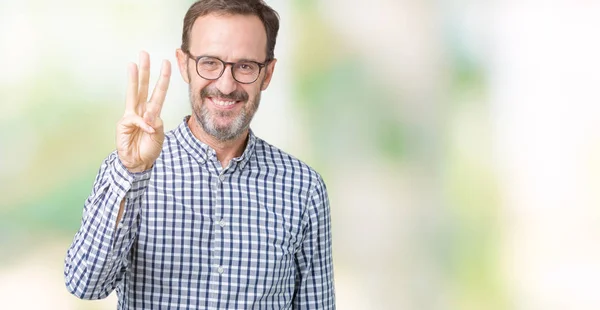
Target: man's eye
246, 67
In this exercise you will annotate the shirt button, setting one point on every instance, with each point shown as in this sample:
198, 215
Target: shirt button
220, 270
221, 178
222, 223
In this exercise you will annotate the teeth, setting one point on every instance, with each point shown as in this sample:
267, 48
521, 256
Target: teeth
223, 103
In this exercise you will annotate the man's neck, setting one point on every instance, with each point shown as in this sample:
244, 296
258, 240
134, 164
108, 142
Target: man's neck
226, 150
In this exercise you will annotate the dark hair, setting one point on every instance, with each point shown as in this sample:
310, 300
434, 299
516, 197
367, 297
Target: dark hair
267, 15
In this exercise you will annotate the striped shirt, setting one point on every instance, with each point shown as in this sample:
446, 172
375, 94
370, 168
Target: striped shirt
194, 235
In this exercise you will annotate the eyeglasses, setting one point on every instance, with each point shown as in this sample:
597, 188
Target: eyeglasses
212, 68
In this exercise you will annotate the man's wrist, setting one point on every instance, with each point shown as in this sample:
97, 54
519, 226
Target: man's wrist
138, 169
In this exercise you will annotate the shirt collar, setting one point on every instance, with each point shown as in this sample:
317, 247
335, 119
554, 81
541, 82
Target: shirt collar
203, 152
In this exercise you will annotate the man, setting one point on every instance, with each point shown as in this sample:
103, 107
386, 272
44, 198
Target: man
206, 216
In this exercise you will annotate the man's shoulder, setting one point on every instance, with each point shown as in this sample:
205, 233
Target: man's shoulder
175, 138
270, 156
171, 142
175, 146
170, 135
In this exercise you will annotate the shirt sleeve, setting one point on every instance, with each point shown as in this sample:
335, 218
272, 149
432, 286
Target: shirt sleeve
314, 280
98, 256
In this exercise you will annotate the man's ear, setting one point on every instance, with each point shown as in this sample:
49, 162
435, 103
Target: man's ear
269, 74
182, 62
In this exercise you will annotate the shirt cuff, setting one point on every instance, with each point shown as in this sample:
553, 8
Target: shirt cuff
128, 184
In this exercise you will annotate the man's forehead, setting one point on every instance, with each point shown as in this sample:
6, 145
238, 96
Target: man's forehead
245, 33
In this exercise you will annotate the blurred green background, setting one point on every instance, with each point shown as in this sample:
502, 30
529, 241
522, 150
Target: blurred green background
459, 140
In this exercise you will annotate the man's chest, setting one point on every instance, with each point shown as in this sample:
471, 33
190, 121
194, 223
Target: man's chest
208, 226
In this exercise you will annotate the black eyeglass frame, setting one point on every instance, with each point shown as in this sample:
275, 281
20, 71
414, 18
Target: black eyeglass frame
225, 64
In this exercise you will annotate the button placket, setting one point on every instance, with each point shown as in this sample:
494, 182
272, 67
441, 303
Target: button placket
217, 218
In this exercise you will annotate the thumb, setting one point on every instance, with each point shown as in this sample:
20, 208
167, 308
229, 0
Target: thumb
149, 118
154, 121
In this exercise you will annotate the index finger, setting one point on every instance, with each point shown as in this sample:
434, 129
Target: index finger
160, 90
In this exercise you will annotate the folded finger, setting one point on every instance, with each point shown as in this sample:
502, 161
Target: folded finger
131, 122
153, 120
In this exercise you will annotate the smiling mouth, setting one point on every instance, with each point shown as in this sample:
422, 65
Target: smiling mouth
223, 102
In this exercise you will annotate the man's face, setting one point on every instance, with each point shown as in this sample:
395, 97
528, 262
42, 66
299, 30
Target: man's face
223, 108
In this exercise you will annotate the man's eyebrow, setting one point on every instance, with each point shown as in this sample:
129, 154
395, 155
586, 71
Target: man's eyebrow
239, 60
248, 59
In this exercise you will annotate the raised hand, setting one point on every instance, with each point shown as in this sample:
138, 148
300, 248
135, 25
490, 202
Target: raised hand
140, 132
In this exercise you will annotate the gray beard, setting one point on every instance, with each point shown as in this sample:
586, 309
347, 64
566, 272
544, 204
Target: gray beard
206, 118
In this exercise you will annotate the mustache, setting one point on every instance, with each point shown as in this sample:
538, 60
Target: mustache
238, 95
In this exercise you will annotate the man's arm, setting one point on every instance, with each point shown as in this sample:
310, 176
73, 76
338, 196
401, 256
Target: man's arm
99, 253
314, 280
101, 247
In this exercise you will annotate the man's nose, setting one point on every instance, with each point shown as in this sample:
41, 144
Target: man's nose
226, 84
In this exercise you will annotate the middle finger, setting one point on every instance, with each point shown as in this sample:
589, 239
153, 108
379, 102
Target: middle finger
144, 78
